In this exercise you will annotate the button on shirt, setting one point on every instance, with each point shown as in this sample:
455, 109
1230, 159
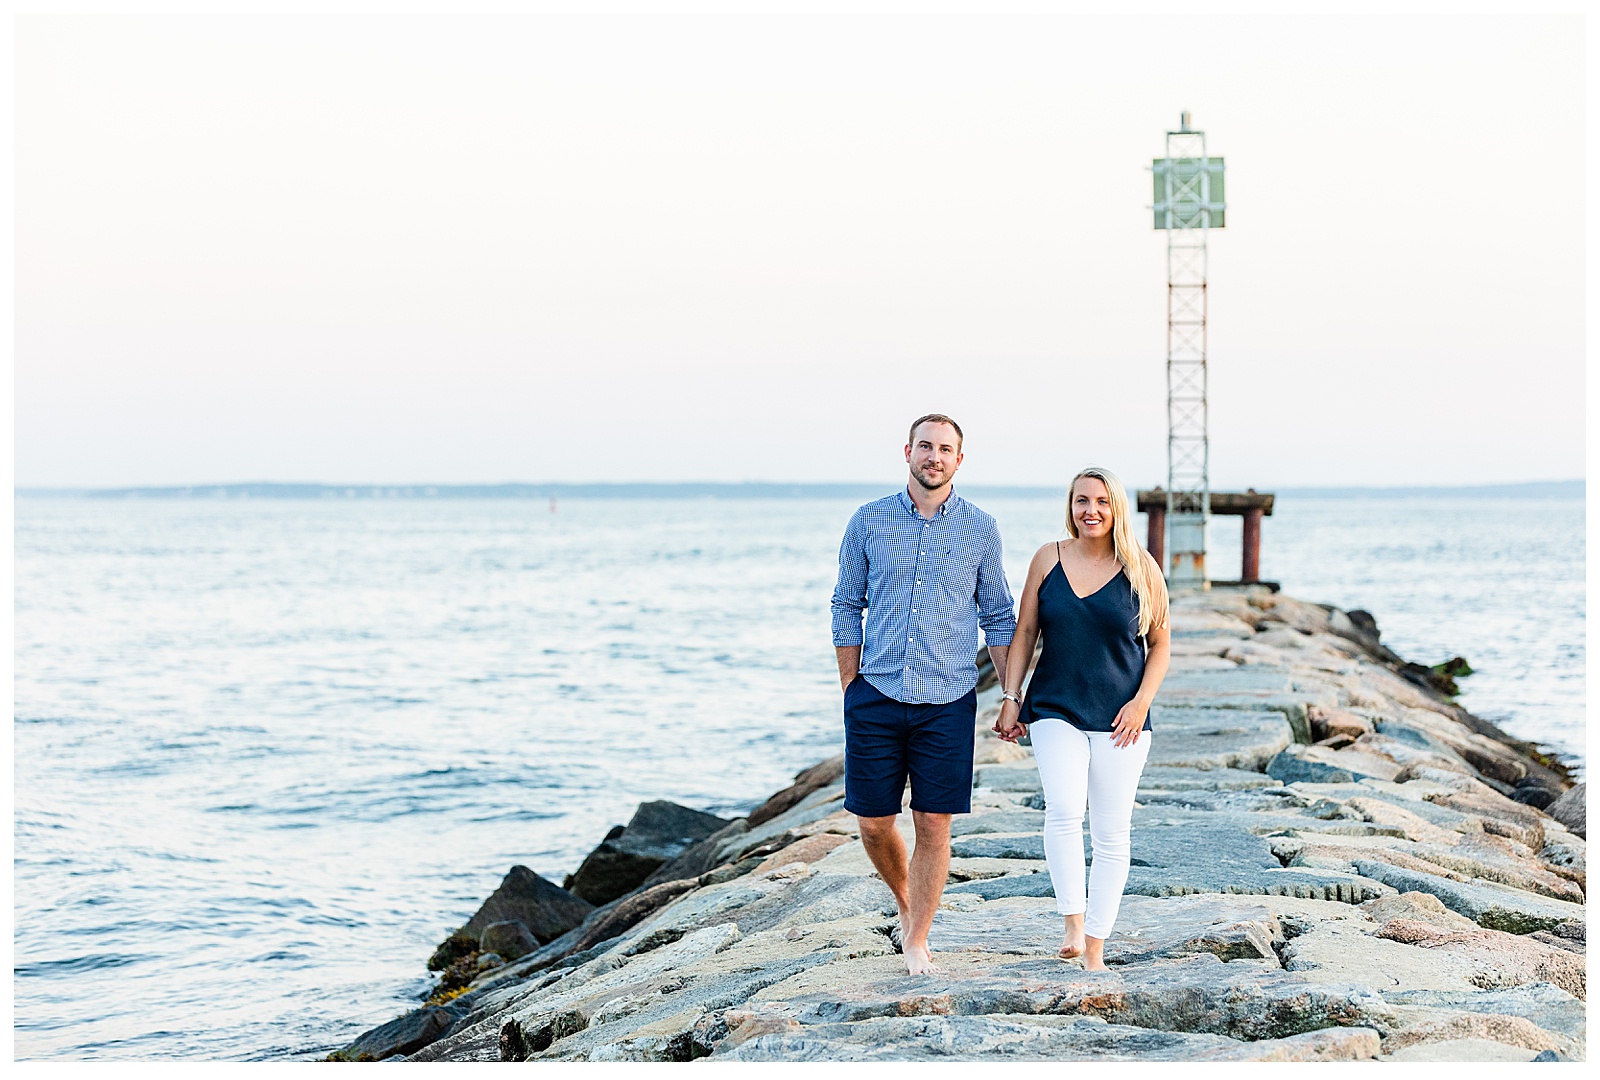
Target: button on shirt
926, 588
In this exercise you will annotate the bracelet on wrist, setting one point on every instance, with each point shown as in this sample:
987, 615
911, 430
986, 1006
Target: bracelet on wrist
1011, 695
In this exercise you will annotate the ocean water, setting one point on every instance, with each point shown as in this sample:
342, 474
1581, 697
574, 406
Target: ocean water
268, 753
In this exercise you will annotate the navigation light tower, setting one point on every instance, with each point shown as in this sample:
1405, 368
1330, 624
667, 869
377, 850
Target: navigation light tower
1188, 205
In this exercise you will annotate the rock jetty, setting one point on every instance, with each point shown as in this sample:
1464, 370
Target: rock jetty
1331, 861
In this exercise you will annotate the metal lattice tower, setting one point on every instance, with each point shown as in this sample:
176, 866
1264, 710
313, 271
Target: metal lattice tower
1188, 205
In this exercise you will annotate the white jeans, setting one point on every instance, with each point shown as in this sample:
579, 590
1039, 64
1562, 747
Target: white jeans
1078, 767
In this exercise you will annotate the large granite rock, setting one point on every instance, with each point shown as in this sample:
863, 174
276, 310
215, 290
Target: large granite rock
510, 939
1035, 1038
544, 908
1295, 766
1207, 738
402, 1035
1498, 907
1198, 993
1170, 778
658, 832
1569, 809
1201, 857
806, 781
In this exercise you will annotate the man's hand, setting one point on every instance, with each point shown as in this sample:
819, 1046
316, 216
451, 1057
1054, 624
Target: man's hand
1125, 729
1008, 725
849, 664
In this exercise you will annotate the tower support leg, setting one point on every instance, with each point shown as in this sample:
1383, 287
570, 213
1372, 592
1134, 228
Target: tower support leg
1250, 568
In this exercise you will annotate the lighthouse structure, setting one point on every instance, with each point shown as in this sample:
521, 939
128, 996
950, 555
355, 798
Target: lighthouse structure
1188, 204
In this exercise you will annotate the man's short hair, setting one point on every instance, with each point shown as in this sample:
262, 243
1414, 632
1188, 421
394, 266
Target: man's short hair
935, 418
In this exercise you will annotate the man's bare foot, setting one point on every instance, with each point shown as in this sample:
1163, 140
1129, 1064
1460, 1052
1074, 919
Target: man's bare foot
1071, 947
919, 961
897, 933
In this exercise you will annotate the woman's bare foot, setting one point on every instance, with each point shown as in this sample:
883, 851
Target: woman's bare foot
1094, 954
1072, 938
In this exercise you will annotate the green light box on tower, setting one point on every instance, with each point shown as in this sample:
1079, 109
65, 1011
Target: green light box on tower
1195, 191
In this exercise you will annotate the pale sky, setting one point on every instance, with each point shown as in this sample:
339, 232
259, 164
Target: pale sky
561, 248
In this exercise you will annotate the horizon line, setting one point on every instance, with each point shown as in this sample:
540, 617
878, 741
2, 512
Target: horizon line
714, 488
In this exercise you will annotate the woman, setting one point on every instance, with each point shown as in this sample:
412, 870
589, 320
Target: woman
1101, 603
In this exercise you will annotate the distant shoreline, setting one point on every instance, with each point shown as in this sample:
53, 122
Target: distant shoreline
1541, 489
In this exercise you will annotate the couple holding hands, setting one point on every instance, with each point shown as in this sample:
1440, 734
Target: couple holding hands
924, 567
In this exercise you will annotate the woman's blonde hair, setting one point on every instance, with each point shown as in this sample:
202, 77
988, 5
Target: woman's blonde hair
1148, 584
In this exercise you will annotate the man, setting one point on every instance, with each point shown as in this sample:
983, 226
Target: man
924, 564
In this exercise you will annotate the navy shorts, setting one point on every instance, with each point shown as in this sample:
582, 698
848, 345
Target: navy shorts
885, 740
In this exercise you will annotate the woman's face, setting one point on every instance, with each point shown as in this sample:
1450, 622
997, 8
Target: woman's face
1091, 508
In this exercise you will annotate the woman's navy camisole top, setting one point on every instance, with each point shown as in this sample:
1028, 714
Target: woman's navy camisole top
1093, 657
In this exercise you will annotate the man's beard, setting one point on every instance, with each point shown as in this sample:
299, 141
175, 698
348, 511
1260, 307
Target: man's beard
944, 478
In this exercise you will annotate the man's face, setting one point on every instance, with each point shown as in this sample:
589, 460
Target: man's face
934, 454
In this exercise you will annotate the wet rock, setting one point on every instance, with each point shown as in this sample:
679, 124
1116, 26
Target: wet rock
402, 1035
510, 938
458, 945
658, 832
1569, 809
547, 910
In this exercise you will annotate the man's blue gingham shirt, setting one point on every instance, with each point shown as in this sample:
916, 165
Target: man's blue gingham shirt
926, 587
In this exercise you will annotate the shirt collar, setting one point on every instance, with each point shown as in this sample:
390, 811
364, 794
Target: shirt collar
911, 507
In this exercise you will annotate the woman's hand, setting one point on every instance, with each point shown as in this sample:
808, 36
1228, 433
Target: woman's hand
1007, 725
1125, 729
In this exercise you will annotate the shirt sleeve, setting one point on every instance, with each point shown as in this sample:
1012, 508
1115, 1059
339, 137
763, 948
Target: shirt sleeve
850, 593
995, 612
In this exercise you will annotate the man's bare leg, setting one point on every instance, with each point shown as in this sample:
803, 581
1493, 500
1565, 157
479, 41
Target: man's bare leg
1072, 938
888, 854
930, 865
917, 882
